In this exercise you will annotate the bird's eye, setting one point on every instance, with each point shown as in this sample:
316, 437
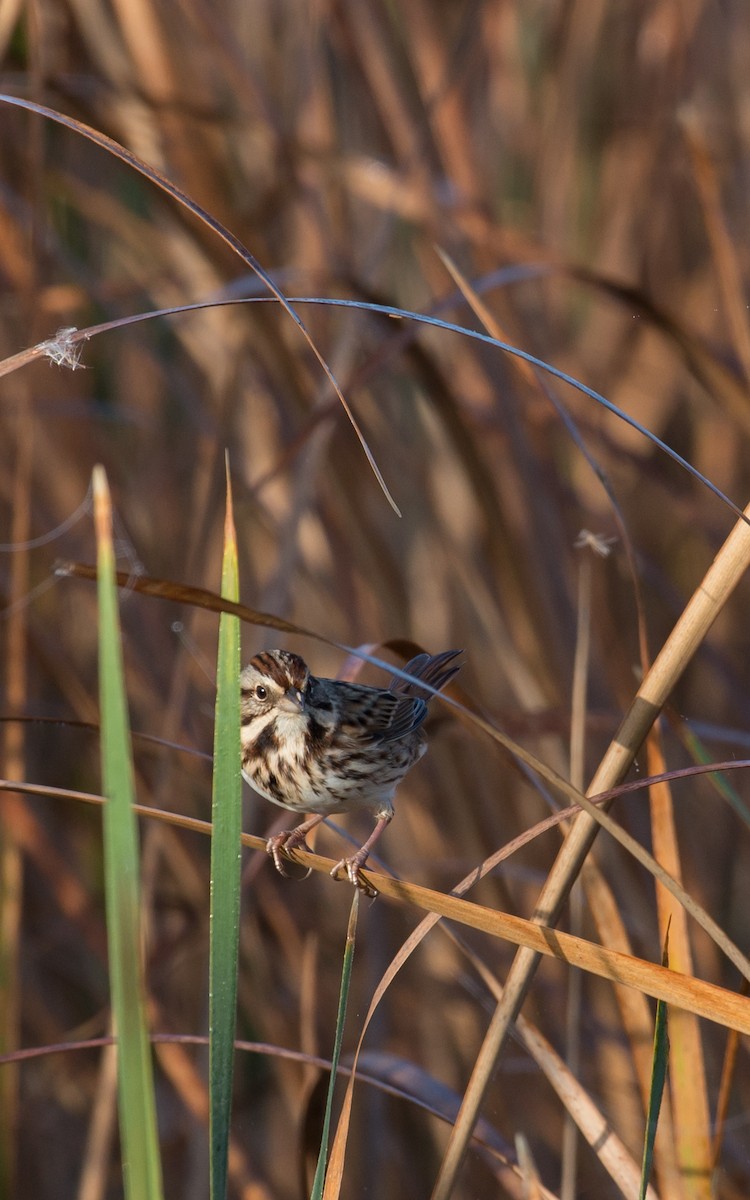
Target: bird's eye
260, 692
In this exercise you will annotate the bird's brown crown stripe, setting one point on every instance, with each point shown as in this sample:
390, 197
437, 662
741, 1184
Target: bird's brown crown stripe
290, 671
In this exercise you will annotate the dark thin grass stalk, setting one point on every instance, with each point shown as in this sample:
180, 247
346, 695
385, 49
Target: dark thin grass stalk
691, 1135
68, 357
709, 369
226, 852
326, 1186
700, 754
137, 1109
658, 1082
710, 769
485, 1138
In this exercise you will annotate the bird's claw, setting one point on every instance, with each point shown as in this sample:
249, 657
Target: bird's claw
285, 844
353, 868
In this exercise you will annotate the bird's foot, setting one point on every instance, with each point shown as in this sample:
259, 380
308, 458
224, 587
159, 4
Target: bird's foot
353, 868
284, 844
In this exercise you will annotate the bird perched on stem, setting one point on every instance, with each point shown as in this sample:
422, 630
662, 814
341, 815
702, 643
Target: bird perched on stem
322, 746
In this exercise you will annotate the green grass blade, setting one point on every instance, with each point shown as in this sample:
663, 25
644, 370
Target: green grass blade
137, 1108
346, 976
718, 781
659, 1067
225, 868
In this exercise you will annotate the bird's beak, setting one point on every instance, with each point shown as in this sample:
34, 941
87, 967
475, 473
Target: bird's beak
292, 702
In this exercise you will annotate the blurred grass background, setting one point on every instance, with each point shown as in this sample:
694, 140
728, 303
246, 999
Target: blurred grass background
589, 163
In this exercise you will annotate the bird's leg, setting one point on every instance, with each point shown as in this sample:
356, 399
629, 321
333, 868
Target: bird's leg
353, 866
290, 839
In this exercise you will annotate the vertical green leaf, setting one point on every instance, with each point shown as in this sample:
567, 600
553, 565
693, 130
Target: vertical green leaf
137, 1109
225, 868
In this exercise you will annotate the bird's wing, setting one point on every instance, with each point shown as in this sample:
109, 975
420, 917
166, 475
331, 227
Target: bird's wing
434, 669
381, 717
407, 714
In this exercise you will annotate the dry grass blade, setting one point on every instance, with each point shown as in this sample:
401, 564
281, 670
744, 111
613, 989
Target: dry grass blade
531, 1180
634, 1010
184, 594
670, 884
197, 596
613, 1155
341, 144
101, 1129
579, 1106
705, 605
706, 1000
